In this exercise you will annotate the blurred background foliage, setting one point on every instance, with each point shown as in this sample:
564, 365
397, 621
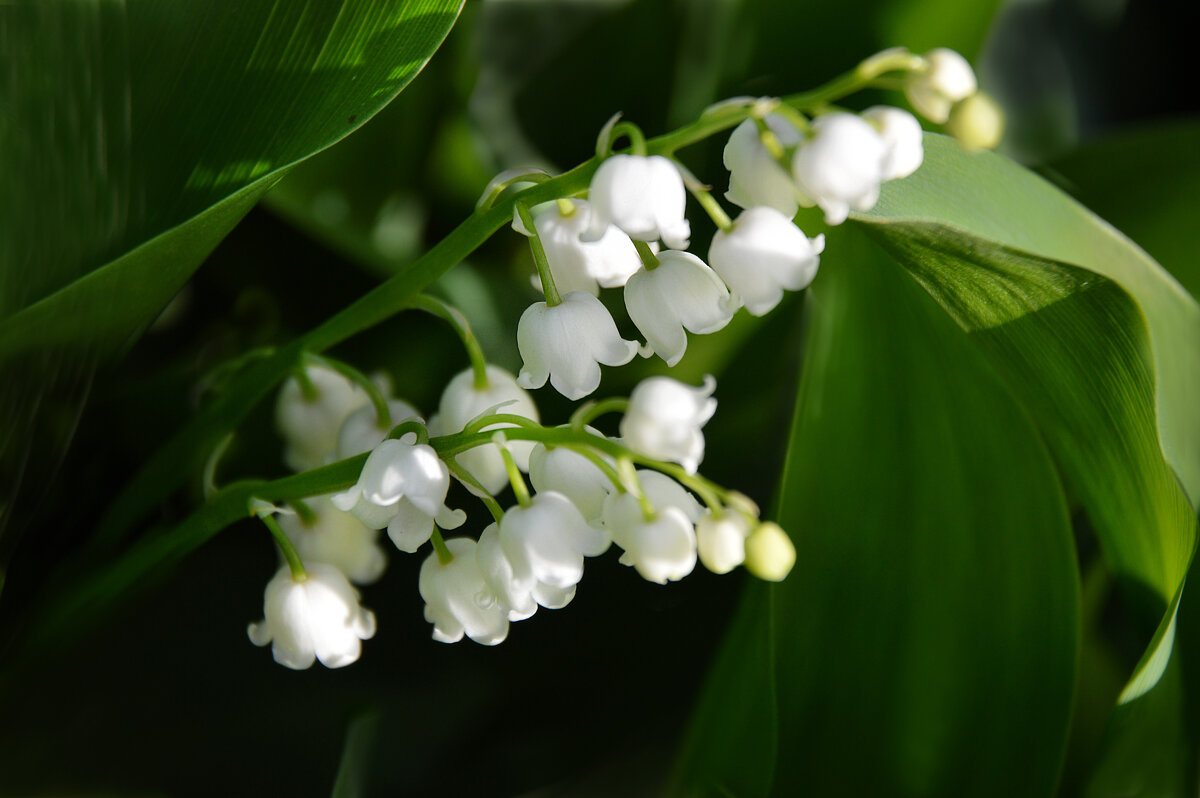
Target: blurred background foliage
168, 698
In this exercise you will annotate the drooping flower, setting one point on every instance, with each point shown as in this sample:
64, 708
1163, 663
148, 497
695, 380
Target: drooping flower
681, 293
462, 402
902, 136
721, 541
317, 618
664, 419
547, 540
457, 599
336, 538
402, 486
309, 425
642, 195
578, 265
841, 166
573, 475
567, 343
947, 78
515, 588
755, 177
361, 432
662, 548
763, 254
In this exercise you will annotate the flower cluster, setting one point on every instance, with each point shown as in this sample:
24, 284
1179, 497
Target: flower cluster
577, 492
587, 494
631, 231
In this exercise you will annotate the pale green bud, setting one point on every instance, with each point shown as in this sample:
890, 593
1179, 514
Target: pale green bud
977, 122
770, 554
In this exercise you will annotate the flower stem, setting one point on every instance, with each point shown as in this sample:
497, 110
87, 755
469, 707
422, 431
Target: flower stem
285, 546
590, 411
549, 289
445, 557
520, 489
412, 425
383, 414
649, 259
307, 515
475, 488
455, 318
507, 178
209, 480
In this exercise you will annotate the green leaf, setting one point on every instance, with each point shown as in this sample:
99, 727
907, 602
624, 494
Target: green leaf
192, 111
925, 643
994, 198
1145, 181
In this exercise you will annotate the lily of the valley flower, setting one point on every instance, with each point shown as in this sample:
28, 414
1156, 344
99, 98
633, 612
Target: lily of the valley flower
578, 265
762, 255
567, 472
681, 293
947, 78
567, 343
461, 402
664, 419
515, 588
457, 599
841, 166
403, 487
902, 136
338, 539
663, 547
310, 426
317, 618
755, 177
361, 431
642, 195
721, 541
547, 540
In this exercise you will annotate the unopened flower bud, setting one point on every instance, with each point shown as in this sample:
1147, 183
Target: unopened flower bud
722, 541
770, 554
977, 122
946, 79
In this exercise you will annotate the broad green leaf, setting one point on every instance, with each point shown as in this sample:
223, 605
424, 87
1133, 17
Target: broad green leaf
926, 642
994, 198
193, 111
1146, 181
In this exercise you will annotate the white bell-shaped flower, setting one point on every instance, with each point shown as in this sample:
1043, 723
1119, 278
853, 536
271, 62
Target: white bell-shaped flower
681, 293
462, 402
663, 491
756, 178
722, 541
309, 426
578, 265
548, 540
664, 419
841, 166
403, 487
457, 599
361, 431
567, 343
570, 473
642, 195
947, 78
903, 137
336, 538
662, 549
317, 618
515, 587
762, 255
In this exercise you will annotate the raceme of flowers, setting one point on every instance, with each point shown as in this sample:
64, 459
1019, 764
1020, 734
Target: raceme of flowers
778, 161
586, 496
588, 493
